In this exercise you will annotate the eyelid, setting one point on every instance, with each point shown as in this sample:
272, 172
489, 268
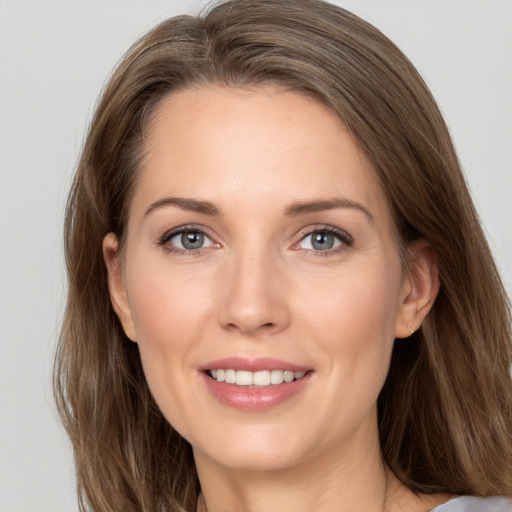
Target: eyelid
345, 238
171, 233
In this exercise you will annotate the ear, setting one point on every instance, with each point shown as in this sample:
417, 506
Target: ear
419, 290
116, 285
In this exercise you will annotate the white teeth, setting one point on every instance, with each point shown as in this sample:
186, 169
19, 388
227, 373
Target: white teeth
243, 378
230, 376
276, 377
261, 378
288, 376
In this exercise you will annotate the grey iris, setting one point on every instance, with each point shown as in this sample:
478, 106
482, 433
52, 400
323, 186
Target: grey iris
322, 241
192, 240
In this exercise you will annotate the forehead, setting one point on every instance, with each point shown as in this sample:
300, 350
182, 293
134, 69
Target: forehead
252, 147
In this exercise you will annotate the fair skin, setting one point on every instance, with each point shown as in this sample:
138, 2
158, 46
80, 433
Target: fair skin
258, 230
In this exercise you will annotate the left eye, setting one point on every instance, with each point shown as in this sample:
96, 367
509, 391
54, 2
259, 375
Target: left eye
321, 240
190, 240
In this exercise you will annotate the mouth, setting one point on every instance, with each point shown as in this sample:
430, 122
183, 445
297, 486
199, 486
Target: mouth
258, 379
252, 385
256, 384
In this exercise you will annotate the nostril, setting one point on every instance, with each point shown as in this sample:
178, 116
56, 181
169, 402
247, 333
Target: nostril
247, 328
260, 314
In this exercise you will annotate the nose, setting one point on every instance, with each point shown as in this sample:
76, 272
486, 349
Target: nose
254, 295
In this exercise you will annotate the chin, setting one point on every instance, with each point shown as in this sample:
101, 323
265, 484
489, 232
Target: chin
258, 452
255, 461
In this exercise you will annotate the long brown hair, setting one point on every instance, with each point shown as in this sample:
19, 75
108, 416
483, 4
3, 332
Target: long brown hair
445, 413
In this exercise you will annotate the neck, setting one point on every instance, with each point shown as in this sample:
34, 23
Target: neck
395, 497
339, 481
349, 477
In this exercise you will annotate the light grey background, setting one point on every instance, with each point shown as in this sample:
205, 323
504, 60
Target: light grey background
54, 58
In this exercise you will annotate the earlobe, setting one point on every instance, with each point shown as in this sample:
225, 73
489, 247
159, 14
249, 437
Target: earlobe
116, 285
419, 289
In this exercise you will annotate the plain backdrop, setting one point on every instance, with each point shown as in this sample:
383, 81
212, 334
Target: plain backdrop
54, 58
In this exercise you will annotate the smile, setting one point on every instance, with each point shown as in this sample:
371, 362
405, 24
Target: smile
260, 378
255, 384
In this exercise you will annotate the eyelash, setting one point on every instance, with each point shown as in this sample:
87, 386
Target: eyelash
343, 237
168, 235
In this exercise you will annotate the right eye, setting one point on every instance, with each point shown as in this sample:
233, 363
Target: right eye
190, 240
186, 239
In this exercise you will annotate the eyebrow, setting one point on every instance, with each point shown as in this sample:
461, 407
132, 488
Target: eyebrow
292, 210
304, 208
188, 204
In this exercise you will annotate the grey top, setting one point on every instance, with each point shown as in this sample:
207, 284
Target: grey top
471, 504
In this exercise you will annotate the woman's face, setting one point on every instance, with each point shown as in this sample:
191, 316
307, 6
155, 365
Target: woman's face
260, 249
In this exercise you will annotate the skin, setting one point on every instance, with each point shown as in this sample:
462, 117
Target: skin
257, 288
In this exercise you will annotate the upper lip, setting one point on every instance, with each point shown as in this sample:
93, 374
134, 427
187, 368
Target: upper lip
253, 365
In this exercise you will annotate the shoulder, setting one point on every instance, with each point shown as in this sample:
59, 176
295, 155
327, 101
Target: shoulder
473, 504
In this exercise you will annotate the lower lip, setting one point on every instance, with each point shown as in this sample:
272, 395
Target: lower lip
246, 398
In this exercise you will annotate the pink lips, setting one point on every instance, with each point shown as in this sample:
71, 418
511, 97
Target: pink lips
253, 365
254, 398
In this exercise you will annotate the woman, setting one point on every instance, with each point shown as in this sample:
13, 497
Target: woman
280, 296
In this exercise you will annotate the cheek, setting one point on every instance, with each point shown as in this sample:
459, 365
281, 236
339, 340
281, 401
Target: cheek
167, 307
360, 298
170, 315
352, 316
